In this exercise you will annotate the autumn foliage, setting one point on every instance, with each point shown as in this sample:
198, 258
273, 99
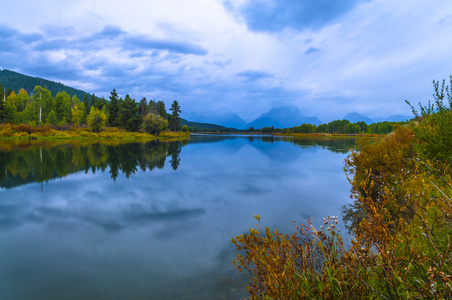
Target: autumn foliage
400, 217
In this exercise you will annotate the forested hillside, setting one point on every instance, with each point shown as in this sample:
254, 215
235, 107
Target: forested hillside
16, 81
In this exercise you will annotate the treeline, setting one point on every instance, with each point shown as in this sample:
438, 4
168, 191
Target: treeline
40, 164
335, 127
41, 108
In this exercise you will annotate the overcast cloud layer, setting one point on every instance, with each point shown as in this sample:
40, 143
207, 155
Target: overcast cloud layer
326, 57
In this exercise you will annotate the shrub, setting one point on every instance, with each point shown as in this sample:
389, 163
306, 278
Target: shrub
433, 126
154, 124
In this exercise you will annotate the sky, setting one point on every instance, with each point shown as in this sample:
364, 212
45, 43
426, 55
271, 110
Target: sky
326, 57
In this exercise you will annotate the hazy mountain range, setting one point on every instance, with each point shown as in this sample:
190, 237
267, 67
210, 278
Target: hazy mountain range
354, 117
278, 117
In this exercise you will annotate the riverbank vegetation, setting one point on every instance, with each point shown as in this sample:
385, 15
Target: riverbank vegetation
42, 116
400, 218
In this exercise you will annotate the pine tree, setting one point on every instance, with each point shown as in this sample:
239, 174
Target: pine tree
2, 105
175, 121
113, 109
142, 106
128, 117
161, 109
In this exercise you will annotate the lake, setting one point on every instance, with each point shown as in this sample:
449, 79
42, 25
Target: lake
153, 220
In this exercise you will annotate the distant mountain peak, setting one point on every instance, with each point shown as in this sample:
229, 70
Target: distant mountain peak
282, 117
355, 117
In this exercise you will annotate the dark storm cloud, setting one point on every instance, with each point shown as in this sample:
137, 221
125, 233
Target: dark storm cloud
275, 15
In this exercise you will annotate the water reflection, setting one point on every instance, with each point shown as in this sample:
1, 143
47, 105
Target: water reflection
152, 232
21, 165
26, 163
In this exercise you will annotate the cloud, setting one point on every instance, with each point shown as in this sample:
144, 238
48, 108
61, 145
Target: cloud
311, 50
276, 15
145, 43
325, 57
254, 75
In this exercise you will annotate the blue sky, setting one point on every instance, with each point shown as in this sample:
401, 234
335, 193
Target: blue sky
326, 57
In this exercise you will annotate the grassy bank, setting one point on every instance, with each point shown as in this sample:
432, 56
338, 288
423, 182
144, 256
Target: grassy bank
27, 132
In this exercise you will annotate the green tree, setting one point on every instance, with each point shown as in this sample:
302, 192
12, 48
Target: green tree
87, 108
22, 98
362, 125
175, 121
10, 112
86, 102
63, 106
142, 106
128, 117
43, 103
152, 107
154, 124
161, 109
96, 119
77, 113
185, 128
28, 114
92, 102
53, 119
2, 105
113, 109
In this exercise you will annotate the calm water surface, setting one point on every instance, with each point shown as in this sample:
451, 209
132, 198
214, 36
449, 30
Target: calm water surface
154, 220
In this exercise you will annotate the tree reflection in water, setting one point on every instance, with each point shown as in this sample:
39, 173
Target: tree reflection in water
22, 163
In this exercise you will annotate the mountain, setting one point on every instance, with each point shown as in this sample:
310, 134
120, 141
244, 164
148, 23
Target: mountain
355, 117
264, 121
206, 127
282, 117
16, 81
228, 119
231, 119
394, 118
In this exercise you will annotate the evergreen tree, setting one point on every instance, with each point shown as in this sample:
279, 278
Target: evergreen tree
152, 107
113, 109
175, 121
87, 104
10, 112
2, 105
128, 118
92, 102
161, 109
142, 106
